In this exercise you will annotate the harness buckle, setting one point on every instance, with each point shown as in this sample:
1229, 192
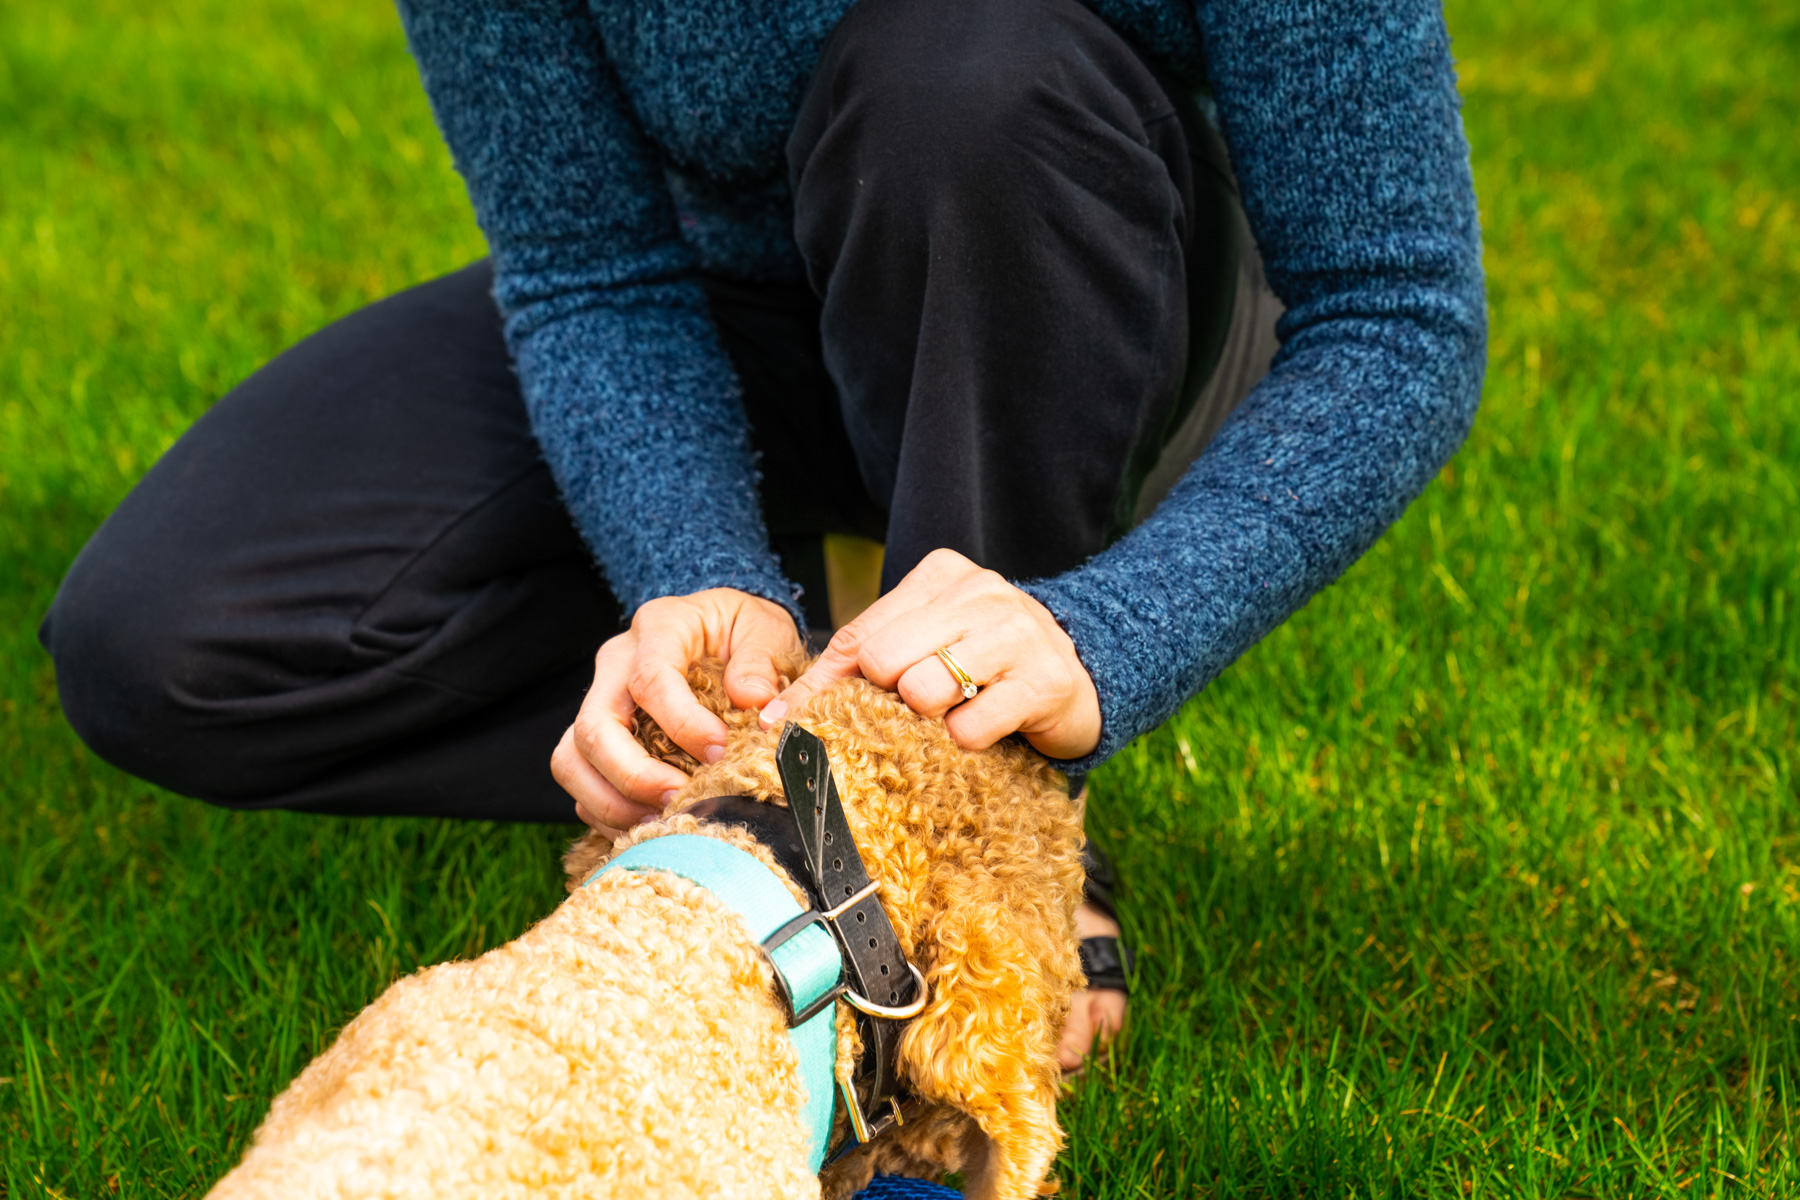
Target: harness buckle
781, 937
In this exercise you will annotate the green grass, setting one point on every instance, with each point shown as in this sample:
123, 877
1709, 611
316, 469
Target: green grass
1480, 877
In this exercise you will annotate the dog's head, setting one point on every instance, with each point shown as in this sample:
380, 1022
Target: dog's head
978, 857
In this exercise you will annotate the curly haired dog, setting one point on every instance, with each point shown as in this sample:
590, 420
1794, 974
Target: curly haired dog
632, 1043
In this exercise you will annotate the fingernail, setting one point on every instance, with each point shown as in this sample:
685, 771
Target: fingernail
773, 711
714, 753
668, 798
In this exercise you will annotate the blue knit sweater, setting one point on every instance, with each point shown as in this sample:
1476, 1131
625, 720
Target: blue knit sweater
613, 149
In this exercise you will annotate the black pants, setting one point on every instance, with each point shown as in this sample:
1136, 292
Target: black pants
351, 586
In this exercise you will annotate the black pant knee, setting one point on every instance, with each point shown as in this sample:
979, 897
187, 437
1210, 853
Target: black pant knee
991, 198
120, 664
349, 587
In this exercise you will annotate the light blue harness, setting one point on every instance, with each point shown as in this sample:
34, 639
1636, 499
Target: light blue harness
803, 952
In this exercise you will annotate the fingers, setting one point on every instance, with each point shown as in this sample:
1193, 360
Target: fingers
657, 681
997, 710
841, 659
838, 662
928, 687
1050, 715
760, 635
1074, 729
614, 780
1031, 679
751, 680
601, 744
985, 633
977, 616
597, 825
597, 802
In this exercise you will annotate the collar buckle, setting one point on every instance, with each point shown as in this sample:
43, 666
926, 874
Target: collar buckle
786, 933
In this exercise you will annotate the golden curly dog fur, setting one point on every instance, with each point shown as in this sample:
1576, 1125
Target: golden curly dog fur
631, 1044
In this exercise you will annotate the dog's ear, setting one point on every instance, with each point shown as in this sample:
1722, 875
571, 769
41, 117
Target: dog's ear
986, 1044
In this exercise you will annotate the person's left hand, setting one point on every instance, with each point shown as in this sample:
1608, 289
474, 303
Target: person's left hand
1032, 682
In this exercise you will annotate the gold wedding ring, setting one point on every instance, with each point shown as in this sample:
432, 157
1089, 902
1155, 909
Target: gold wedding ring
962, 677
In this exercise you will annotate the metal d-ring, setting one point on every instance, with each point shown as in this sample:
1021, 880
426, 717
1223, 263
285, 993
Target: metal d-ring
904, 1013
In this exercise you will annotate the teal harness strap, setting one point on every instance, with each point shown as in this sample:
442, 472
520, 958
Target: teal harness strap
808, 960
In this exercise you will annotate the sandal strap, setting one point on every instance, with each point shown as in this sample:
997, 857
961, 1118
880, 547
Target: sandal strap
1107, 962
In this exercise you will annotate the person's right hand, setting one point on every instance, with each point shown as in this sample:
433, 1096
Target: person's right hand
614, 781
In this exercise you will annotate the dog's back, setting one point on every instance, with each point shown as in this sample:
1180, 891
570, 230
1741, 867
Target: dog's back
630, 1036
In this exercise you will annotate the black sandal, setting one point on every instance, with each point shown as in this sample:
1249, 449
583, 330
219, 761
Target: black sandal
1106, 961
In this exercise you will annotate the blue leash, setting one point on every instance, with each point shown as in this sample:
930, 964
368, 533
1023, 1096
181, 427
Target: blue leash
900, 1187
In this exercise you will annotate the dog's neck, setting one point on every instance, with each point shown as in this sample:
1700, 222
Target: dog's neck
978, 858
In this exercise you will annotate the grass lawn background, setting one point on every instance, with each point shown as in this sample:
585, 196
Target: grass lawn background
1479, 877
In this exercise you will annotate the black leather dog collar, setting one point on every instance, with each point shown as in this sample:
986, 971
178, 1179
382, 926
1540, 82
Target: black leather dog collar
812, 841
769, 824
881, 977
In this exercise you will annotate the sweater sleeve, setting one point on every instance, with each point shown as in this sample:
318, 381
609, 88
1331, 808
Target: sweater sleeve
628, 390
1343, 121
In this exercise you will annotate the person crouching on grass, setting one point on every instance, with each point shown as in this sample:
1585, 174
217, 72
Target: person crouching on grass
1126, 327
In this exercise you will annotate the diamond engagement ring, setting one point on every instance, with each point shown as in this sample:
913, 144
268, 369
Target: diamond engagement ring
962, 677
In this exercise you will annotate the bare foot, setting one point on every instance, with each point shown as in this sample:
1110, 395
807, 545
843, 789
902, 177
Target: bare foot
1094, 1013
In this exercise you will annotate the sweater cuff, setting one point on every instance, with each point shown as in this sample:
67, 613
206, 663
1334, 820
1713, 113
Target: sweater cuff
1104, 654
